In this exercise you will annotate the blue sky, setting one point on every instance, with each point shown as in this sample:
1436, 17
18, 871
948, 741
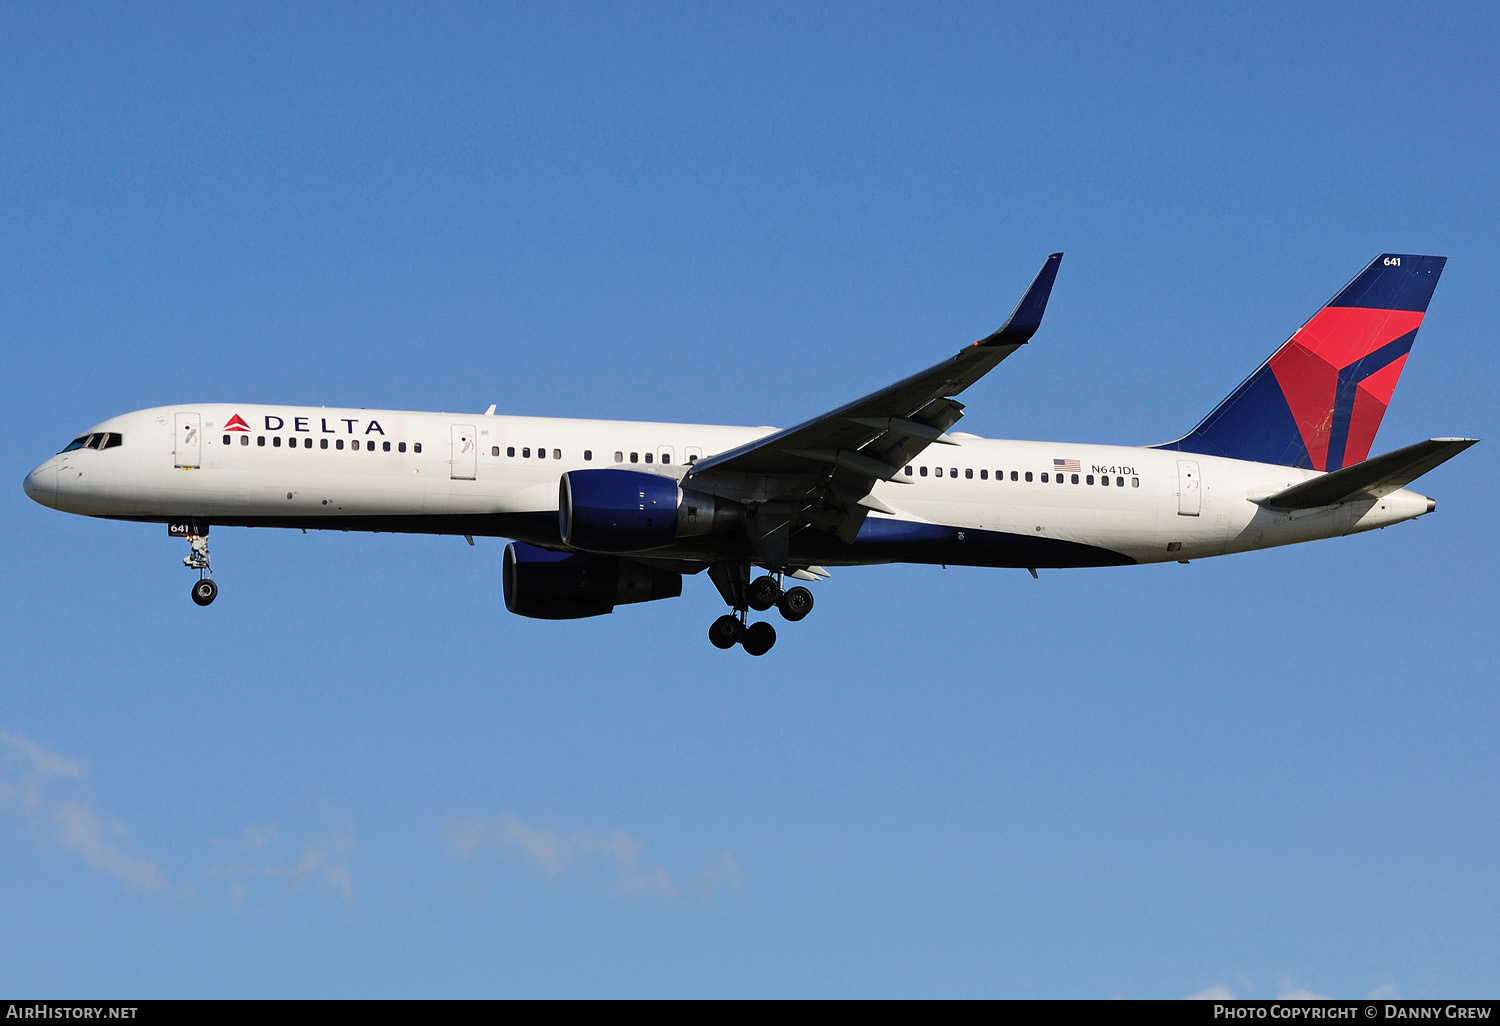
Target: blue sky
356, 774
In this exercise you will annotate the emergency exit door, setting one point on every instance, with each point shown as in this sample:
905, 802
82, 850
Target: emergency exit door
465, 452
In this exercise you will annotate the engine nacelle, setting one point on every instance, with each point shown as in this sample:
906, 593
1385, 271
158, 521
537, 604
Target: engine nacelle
628, 511
616, 510
547, 585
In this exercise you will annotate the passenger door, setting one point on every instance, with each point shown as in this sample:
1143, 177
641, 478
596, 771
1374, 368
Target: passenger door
187, 445
1189, 494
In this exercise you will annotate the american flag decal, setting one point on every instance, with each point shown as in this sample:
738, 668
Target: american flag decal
1065, 466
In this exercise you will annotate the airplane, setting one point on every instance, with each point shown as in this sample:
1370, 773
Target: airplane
607, 513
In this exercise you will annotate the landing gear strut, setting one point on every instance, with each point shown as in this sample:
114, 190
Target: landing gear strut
743, 595
205, 590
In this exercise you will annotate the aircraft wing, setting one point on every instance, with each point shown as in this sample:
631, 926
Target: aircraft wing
821, 471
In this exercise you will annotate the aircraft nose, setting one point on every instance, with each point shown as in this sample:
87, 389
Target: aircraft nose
41, 484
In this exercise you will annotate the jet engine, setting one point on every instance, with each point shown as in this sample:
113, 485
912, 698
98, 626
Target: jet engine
630, 511
547, 585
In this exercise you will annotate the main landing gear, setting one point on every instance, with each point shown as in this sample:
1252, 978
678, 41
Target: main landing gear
204, 590
743, 595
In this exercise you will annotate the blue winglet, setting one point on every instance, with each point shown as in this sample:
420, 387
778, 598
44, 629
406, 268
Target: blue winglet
1026, 318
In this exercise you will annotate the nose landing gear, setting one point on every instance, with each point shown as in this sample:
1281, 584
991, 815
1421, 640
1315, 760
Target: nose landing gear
204, 590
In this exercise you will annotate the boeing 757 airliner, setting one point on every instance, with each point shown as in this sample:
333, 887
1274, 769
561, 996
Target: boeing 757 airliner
605, 513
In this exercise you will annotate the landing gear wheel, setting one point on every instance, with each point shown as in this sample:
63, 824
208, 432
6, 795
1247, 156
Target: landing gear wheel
205, 591
795, 604
725, 631
759, 637
763, 593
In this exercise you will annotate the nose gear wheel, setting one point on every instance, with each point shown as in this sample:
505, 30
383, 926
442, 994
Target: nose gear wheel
204, 589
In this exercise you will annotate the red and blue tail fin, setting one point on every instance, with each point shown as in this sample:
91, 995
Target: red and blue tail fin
1317, 402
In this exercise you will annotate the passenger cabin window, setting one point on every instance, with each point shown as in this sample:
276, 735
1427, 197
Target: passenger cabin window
1075, 478
619, 457
1089, 479
908, 470
541, 454
510, 450
416, 447
494, 449
648, 457
339, 444
1028, 475
322, 443
526, 453
968, 473
923, 471
635, 457
588, 455
260, 440
984, 475
557, 454
245, 440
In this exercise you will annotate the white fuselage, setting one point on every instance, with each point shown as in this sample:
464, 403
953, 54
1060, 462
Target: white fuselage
980, 501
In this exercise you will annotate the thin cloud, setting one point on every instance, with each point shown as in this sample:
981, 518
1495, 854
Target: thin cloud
1285, 991
322, 862
32, 777
617, 853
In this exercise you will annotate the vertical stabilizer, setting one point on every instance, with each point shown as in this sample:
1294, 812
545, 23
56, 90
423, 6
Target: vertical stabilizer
1318, 401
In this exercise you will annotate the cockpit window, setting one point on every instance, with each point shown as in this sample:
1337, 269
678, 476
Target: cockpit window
97, 440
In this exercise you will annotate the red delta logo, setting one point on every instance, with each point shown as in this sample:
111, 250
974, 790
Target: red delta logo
236, 423
1337, 374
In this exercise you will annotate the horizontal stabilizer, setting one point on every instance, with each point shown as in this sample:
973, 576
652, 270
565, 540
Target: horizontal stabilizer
1372, 478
